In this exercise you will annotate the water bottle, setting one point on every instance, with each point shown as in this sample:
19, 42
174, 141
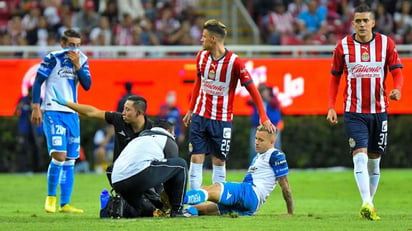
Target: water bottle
104, 198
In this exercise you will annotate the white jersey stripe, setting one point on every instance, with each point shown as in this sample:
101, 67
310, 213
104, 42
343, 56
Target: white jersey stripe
382, 80
228, 78
358, 80
216, 98
373, 80
349, 90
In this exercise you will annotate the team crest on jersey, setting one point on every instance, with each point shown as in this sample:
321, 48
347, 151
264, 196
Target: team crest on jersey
212, 74
352, 143
365, 56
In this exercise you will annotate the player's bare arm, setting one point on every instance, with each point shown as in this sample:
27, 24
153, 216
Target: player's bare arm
287, 195
83, 109
87, 110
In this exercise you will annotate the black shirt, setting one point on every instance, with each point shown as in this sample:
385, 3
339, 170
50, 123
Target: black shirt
123, 131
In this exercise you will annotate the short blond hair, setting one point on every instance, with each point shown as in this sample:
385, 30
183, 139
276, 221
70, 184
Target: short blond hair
216, 27
262, 128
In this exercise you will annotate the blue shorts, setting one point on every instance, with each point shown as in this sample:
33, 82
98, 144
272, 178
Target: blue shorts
210, 137
62, 131
239, 198
367, 131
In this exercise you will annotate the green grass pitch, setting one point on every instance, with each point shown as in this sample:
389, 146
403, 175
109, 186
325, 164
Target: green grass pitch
324, 200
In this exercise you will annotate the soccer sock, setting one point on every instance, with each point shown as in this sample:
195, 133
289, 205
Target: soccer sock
195, 173
374, 175
195, 196
360, 171
67, 181
53, 176
218, 174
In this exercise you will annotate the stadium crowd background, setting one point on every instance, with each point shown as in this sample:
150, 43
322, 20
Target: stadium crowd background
179, 22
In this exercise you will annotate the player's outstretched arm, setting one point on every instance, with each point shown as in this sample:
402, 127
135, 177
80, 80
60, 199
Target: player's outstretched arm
287, 194
84, 109
257, 99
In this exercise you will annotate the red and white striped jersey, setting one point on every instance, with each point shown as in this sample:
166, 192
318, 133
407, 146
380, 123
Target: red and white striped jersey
365, 66
218, 81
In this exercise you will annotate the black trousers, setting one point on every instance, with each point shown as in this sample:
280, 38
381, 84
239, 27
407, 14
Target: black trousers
171, 172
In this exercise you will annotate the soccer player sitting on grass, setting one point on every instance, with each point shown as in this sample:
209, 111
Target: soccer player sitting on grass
268, 168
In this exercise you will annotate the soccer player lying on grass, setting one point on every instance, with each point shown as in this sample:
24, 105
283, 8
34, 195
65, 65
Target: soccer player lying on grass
268, 168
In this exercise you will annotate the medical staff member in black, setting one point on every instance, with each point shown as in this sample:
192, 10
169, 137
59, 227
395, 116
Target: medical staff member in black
149, 160
128, 124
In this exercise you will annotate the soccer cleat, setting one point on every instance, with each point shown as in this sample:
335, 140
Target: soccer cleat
368, 212
50, 205
180, 213
70, 209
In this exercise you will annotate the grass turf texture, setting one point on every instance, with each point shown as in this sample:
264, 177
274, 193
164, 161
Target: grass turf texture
324, 200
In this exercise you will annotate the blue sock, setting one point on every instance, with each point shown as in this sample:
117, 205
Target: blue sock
66, 183
192, 210
195, 196
53, 176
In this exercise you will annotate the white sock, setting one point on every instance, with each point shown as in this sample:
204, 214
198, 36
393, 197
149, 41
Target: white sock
218, 174
360, 171
195, 175
374, 175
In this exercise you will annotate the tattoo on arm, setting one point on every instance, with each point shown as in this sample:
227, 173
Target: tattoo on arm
287, 193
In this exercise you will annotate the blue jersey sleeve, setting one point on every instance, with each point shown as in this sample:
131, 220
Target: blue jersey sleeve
47, 65
84, 76
37, 87
279, 164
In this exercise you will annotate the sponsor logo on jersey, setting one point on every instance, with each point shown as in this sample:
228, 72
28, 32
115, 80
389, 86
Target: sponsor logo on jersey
67, 73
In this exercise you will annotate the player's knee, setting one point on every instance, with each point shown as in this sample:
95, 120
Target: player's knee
59, 156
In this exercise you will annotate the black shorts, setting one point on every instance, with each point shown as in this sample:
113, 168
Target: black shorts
367, 131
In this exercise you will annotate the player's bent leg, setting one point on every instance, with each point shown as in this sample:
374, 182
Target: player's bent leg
207, 208
195, 196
